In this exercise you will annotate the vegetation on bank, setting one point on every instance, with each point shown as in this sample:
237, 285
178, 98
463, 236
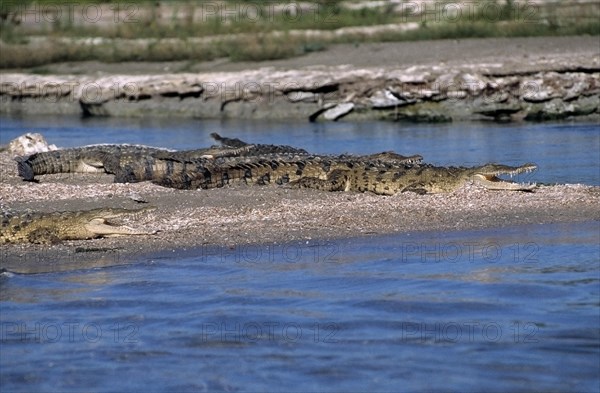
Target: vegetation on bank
36, 33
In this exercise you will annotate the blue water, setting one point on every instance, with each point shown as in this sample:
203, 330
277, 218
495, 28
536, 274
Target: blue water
495, 310
565, 153
508, 309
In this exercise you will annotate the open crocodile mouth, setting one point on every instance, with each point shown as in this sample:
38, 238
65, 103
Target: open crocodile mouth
492, 180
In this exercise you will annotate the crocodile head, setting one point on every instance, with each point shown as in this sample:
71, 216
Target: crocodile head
488, 176
48, 228
98, 222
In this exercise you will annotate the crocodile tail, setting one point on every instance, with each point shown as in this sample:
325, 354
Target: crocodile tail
25, 169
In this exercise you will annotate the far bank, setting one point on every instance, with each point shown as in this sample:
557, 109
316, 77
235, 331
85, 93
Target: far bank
531, 79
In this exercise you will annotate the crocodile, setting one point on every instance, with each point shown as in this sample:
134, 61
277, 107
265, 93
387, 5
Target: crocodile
356, 174
49, 228
175, 173
422, 179
86, 159
108, 158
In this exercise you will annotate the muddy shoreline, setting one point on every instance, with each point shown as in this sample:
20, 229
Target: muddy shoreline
531, 79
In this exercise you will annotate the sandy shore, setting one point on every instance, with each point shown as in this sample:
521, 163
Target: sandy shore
229, 218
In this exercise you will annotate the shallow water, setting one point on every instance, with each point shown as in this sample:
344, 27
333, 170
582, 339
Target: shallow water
496, 310
507, 309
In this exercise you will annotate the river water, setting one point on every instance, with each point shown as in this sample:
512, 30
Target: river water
510, 309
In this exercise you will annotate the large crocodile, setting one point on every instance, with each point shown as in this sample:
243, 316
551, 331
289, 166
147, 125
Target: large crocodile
109, 158
86, 159
48, 228
176, 173
341, 174
421, 179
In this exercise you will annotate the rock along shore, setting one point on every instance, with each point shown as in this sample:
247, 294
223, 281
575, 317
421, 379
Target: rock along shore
543, 86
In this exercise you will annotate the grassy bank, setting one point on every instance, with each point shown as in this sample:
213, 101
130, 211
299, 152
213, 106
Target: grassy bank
34, 34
